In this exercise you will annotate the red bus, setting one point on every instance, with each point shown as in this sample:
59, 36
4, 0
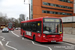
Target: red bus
10, 26
45, 29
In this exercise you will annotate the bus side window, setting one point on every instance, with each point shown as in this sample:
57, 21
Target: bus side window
29, 27
34, 27
22, 25
39, 27
26, 26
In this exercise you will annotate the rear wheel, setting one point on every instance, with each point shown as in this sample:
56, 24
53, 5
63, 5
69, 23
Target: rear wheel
34, 38
23, 35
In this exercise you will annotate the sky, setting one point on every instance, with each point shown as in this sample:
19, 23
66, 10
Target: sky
13, 8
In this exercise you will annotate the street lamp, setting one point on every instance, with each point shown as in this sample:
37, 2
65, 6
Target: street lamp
29, 7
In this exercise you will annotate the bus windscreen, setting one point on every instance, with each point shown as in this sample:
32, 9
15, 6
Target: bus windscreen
52, 26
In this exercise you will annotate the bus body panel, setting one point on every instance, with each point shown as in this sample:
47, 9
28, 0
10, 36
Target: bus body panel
38, 38
11, 28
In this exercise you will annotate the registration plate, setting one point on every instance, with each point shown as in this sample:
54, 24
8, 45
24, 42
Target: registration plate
53, 41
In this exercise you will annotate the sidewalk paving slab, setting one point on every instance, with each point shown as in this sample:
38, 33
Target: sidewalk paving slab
69, 38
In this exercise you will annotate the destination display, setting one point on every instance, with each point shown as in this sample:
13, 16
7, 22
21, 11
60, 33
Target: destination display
51, 20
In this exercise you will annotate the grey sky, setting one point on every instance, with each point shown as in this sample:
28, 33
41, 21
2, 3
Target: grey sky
14, 7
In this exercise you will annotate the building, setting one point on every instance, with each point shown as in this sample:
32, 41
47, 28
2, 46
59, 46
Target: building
22, 17
53, 8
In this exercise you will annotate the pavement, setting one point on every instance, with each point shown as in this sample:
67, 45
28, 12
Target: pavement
70, 38
14, 41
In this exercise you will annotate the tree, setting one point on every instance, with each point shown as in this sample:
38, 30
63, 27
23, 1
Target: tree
3, 20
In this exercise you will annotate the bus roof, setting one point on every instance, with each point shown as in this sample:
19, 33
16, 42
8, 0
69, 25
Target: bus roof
38, 19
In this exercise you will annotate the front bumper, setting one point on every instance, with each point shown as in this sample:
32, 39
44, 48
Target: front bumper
5, 31
52, 40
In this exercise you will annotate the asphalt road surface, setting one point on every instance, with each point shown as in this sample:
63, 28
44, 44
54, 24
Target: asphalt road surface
14, 41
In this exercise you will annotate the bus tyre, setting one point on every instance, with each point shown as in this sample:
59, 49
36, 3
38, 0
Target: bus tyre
23, 35
34, 38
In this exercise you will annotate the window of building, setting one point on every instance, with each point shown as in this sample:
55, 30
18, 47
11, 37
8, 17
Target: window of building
49, 4
69, 7
64, 6
43, 11
45, 3
68, 1
48, 11
60, 13
56, 12
63, 13
52, 4
69, 14
61, 6
55, 5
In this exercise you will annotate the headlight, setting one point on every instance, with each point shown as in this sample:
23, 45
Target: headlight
2, 30
43, 35
39, 35
7, 30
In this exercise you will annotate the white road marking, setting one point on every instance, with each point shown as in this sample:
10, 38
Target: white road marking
10, 46
25, 39
15, 34
41, 45
1, 43
22, 38
3, 38
69, 44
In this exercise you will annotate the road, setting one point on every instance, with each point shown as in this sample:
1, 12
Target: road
14, 41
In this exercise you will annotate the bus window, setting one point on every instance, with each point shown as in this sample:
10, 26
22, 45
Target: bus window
25, 26
39, 27
29, 26
34, 27
22, 25
52, 28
